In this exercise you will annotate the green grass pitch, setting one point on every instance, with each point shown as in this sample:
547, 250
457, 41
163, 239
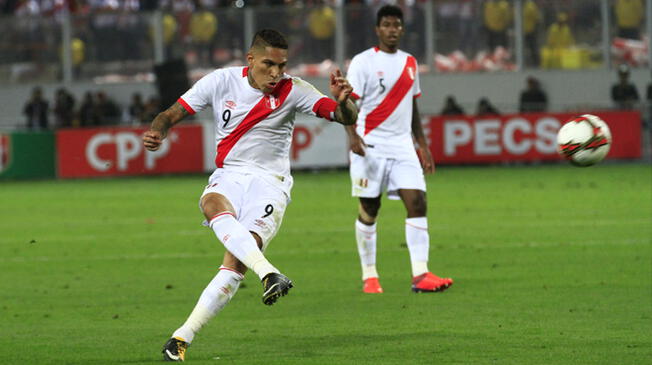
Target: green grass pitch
552, 265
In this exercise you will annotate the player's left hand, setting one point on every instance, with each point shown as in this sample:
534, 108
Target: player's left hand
152, 139
427, 163
340, 87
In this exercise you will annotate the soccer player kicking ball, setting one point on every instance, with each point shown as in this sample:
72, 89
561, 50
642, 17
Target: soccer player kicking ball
385, 82
246, 196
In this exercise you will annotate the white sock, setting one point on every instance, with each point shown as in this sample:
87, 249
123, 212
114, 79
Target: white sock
212, 300
240, 243
366, 238
418, 242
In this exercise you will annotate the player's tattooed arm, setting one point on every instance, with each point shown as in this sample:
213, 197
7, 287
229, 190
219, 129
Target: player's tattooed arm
168, 118
165, 120
346, 112
427, 162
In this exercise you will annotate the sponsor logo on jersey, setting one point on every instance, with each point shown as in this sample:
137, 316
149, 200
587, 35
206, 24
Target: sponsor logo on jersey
230, 104
260, 223
5, 151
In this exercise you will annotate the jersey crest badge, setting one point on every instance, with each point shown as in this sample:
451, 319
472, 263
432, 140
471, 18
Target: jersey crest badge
230, 104
272, 102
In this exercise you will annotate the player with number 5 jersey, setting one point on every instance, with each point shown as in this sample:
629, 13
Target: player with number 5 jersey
385, 83
245, 198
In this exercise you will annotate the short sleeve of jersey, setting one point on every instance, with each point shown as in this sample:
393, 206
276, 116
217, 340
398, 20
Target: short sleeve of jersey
200, 94
416, 88
356, 77
308, 97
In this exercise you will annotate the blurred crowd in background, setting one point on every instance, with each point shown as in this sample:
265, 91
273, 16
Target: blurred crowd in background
95, 109
469, 35
116, 41
556, 34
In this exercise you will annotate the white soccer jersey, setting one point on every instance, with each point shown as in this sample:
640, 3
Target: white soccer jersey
253, 130
385, 84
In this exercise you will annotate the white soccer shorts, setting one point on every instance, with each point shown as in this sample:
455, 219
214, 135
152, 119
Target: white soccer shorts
258, 204
371, 175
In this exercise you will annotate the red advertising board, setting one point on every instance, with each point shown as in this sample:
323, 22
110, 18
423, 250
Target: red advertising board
522, 137
120, 152
318, 143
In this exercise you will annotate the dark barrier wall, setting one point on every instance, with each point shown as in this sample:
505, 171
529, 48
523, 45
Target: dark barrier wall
171, 81
25, 155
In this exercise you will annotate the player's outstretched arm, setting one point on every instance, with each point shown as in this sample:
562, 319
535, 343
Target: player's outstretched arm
165, 120
356, 143
346, 112
427, 162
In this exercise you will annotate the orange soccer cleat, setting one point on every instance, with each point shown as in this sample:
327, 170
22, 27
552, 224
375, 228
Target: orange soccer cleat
372, 286
430, 283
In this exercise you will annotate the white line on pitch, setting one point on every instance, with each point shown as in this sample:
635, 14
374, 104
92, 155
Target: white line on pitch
281, 251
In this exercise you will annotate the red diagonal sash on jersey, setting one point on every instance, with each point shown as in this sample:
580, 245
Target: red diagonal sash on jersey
259, 112
393, 98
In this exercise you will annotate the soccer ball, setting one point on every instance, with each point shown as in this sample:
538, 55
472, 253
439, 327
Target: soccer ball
584, 140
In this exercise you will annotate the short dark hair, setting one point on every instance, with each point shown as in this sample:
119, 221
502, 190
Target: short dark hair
389, 10
269, 38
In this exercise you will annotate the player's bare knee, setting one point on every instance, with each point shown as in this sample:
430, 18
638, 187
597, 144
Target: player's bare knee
209, 205
417, 206
366, 218
214, 203
232, 263
368, 210
259, 241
